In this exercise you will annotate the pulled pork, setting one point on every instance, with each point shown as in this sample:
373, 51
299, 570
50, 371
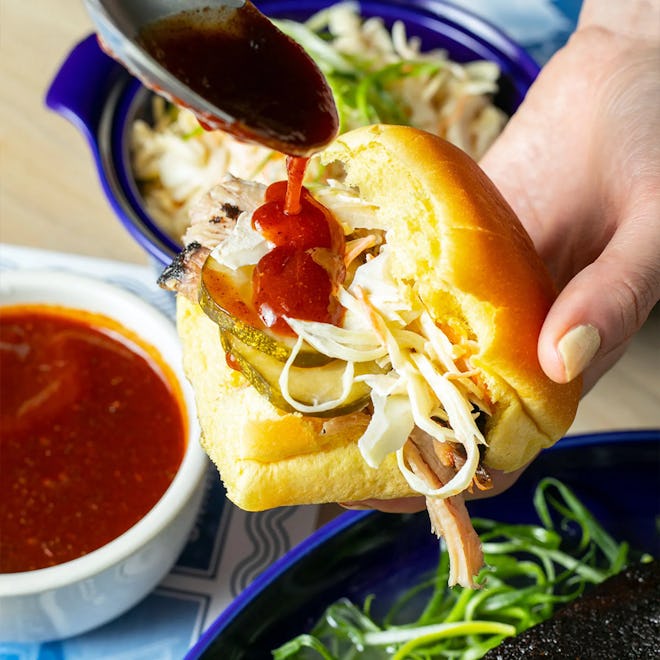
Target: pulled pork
212, 217
449, 517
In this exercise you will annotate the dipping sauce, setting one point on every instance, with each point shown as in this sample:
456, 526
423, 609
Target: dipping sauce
270, 90
92, 432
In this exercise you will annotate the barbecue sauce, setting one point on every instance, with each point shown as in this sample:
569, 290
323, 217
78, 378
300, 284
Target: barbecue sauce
268, 88
299, 276
234, 59
92, 432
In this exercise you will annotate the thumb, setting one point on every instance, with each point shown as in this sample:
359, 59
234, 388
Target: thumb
602, 307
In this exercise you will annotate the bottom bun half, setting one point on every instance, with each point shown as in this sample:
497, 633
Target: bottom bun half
268, 458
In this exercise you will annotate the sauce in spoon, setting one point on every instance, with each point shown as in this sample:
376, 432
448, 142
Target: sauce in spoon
268, 88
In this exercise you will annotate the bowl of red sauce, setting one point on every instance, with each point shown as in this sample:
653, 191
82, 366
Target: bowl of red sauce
102, 472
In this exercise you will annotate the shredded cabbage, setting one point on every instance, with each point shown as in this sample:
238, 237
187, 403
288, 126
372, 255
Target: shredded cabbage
337, 342
410, 349
244, 245
322, 406
391, 420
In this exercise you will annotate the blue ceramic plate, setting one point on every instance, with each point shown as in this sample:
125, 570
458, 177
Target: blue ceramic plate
102, 100
361, 553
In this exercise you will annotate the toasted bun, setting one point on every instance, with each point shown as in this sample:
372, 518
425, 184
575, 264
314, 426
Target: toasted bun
475, 268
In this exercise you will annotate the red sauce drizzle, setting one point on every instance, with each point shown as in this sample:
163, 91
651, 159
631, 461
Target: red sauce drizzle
299, 276
91, 431
232, 362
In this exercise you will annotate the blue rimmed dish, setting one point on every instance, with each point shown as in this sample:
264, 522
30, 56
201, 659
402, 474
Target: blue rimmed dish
358, 554
102, 100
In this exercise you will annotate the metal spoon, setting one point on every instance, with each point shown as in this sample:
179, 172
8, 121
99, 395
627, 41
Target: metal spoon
265, 89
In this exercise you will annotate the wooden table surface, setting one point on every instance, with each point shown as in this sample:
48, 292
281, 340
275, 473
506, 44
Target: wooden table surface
50, 195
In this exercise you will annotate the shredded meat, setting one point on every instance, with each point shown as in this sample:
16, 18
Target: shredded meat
482, 478
212, 217
182, 275
449, 517
333, 425
453, 455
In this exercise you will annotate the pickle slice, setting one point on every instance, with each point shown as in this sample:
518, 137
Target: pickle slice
309, 385
224, 295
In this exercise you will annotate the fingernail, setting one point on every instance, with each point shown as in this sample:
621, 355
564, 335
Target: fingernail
577, 348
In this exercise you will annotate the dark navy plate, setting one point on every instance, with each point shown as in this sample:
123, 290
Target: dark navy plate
97, 95
616, 475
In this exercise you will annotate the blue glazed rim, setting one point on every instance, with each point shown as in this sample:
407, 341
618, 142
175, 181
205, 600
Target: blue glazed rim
350, 518
101, 99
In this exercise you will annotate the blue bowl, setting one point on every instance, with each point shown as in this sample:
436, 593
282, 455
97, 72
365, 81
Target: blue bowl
102, 100
361, 553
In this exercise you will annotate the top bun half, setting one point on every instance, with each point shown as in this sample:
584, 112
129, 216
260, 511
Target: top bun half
461, 248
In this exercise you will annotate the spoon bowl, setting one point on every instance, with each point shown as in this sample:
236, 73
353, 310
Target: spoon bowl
228, 63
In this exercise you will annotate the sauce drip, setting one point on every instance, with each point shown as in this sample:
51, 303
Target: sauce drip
295, 168
265, 86
291, 216
299, 276
91, 430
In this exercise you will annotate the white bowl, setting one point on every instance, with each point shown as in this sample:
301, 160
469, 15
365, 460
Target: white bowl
76, 596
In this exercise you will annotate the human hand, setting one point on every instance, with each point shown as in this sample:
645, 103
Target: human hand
580, 164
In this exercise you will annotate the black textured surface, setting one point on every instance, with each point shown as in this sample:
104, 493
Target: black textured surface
618, 619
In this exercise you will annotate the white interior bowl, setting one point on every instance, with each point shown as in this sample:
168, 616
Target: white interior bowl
76, 596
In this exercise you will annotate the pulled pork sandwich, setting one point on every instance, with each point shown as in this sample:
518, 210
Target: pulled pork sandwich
373, 338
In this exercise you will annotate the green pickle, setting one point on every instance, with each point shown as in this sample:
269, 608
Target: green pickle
264, 340
308, 385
